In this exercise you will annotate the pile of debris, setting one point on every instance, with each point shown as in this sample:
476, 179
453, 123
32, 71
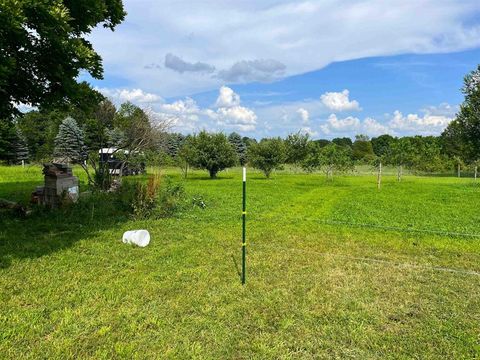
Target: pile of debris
60, 186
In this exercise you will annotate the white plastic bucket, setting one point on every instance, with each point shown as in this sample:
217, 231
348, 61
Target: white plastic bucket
137, 237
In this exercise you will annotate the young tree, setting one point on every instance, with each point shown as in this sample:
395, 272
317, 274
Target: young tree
334, 158
69, 143
240, 147
458, 164
377, 164
267, 155
213, 153
296, 148
475, 165
186, 155
400, 155
45, 47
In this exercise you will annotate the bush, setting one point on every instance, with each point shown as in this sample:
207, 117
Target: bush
158, 197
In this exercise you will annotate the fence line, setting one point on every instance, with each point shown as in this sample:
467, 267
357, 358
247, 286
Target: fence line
385, 262
252, 219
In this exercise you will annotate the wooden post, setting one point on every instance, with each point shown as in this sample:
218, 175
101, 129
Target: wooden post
379, 176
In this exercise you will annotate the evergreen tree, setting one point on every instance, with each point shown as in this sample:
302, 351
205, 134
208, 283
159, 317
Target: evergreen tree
240, 147
174, 143
7, 138
20, 149
69, 142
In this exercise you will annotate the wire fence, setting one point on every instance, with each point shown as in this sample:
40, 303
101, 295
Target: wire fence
331, 222
365, 259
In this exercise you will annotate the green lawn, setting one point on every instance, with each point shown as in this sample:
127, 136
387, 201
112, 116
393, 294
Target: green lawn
335, 270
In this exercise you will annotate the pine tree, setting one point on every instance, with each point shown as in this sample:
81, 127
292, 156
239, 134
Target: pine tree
239, 146
20, 149
7, 139
69, 142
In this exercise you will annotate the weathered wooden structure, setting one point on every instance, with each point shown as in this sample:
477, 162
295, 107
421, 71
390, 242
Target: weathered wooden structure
60, 186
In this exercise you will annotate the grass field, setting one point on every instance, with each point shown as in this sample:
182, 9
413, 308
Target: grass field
335, 270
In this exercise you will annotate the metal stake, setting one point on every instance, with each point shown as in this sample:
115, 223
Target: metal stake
244, 214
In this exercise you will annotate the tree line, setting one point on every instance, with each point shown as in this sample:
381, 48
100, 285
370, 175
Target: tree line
76, 133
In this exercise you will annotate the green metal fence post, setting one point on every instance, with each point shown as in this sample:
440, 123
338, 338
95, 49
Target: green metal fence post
244, 215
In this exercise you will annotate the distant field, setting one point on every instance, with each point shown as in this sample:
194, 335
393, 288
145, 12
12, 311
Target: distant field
336, 269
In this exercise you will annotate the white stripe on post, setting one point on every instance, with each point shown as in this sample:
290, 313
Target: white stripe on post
244, 174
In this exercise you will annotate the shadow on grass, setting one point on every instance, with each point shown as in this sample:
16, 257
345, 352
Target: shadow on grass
47, 231
18, 191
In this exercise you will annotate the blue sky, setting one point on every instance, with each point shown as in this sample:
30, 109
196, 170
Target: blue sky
268, 68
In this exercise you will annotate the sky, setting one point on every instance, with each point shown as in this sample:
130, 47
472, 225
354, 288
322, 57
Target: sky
267, 68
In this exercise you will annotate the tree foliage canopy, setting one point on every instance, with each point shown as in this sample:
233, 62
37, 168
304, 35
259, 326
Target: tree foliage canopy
267, 155
296, 147
43, 48
213, 152
462, 136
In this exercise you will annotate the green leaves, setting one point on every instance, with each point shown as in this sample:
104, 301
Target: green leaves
267, 155
43, 49
212, 152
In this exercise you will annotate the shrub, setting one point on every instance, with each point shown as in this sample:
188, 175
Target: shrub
158, 197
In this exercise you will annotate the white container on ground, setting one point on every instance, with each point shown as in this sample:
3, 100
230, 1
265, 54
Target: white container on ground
137, 237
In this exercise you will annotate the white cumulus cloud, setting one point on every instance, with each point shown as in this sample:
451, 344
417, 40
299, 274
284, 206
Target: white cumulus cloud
229, 113
428, 124
185, 115
133, 95
339, 101
304, 115
227, 98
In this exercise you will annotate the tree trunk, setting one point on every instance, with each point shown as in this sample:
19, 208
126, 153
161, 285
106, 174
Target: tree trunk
476, 169
399, 172
213, 174
458, 170
379, 177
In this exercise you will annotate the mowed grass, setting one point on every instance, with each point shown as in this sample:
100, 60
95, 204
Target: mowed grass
335, 270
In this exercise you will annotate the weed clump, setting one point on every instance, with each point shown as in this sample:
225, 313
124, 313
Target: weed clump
159, 197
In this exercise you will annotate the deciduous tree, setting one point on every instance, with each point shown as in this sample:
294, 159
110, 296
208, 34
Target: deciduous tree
213, 152
267, 155
44, 47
